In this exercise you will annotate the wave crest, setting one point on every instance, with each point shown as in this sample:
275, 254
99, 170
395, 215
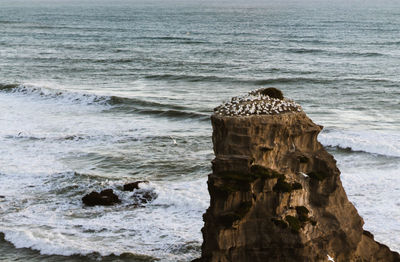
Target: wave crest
374, 142
112, 103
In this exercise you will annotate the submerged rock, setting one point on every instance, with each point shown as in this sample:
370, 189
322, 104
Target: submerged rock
276, 195
143, 196
140, 196
134, 185
104, 198
107, 197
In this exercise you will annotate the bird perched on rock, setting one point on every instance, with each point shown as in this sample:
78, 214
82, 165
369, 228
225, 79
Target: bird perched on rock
265, 101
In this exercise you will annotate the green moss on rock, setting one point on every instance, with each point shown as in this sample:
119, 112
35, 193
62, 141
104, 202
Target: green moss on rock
240, 181
234, 182
225, 190
319, 176
243, 209
302, 210
279, 223
296, 186
303, 159
282, 186
302, 213
266, 173
227, 219
236, 176
294, 223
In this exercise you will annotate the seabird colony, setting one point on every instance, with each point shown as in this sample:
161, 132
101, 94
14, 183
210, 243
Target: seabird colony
256, 103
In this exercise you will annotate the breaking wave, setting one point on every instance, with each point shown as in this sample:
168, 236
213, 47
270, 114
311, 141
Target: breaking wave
114, 103
373, 142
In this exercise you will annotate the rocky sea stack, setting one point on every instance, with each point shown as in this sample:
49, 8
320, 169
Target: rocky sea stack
276, 193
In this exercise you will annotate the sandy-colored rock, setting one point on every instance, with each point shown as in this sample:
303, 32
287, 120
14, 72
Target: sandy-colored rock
276, 195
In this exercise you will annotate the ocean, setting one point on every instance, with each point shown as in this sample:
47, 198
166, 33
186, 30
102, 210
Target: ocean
95, 94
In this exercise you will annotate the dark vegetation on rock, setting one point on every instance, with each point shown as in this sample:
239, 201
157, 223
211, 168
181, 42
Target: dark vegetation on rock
280, 223
230, 217
317, 175
302, 213
263, 172
234, 181
303, 159
271, 92
284, 187
294, 223
297, 222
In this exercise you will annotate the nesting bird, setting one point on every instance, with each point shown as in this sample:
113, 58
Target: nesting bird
265, 101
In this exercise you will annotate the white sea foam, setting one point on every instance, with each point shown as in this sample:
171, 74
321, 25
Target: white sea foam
372, 185
371, 180
168, 228
48, 216
376, 142
44, 139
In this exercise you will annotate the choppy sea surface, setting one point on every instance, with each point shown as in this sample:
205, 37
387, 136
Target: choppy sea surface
93, 94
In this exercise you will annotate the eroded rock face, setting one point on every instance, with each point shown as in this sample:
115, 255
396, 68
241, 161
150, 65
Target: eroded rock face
276, 195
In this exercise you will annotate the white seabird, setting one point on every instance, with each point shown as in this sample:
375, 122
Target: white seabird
173, 140
304, 174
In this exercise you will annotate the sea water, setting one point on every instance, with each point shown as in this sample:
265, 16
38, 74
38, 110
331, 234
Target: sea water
95, 94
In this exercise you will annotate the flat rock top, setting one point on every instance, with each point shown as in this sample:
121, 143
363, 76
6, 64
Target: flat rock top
258, 102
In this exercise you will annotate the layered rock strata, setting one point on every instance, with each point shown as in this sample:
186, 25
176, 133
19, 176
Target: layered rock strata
276, 195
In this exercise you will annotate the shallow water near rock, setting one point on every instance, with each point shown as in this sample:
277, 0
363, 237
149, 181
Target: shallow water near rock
94, 95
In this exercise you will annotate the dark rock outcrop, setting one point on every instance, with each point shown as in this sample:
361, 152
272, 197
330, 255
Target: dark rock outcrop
104, 198
134, 185
271, 92
276, 195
